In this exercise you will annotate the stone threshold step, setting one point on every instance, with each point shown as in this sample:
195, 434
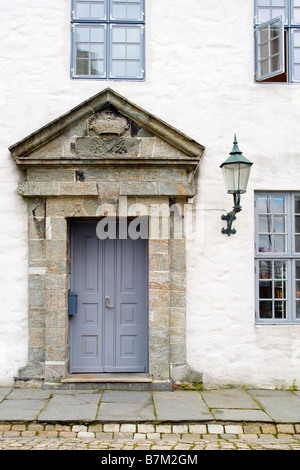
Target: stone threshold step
107, 378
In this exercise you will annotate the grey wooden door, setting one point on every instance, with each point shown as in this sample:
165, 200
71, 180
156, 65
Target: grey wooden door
109, 331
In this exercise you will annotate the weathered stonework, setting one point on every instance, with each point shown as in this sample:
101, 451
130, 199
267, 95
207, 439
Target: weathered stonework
100, 153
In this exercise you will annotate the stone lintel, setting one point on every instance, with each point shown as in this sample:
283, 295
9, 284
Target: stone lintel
34, 188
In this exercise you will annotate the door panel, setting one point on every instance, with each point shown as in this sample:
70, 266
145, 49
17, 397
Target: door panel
109, 332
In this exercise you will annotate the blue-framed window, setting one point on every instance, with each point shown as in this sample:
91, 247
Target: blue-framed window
108, 39
277, 40
277, 252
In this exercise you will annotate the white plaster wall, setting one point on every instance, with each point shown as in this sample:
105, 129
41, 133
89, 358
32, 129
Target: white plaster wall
199, 79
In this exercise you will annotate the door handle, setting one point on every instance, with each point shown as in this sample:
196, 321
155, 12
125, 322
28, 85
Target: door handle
107, 302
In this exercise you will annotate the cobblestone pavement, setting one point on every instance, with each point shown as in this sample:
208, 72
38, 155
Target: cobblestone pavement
171, 442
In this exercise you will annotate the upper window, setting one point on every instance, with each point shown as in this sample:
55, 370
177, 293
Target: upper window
108, 39
277, 248
277, 39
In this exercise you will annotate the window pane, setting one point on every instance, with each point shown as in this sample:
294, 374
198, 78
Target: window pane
279, 224
97, 67
83, 50
82, 10
279, 204
297, 269
97, 51
280, 243
93, 9
298, 309
280, 270
297, 223
119, 51
97, 10
265, 223
297, 243
133, 52
133, 69
274, 63
126, 10
280, 309
265, 309
265, 290
264, 14
280, 289
298, 289
296, 71
265, 270
82, 34
82, 67
119, 34
264, 3
97, 33
119, 68
264, 203
265, 243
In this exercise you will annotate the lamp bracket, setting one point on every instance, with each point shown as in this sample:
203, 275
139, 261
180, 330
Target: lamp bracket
231, 216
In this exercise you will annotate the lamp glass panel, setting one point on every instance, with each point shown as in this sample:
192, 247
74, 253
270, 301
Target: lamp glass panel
236, 176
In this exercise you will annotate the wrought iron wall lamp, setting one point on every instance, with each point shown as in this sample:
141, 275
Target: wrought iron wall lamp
236, 171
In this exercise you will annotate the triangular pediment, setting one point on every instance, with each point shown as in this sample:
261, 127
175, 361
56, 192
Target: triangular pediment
107, 128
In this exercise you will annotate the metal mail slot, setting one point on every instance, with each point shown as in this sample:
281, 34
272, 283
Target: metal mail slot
72, 303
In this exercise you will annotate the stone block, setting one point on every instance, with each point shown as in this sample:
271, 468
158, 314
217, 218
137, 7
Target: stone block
135, 188
108, 190
48, 174
36, 249
215, 429
65, 206
126, 427
233, 429
56, 299
78, 189
110, 147
56, 249
57, 281
36, 228
158, 298
268, 429
36, 281
33, 188
36, 298
56, 318
159, 280
159, 262
180, 428
58, 228
285, 428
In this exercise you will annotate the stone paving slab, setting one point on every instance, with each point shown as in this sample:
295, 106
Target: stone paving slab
4, 391
124, 412
241, 415
70, 407
20, 410
229, 398
125, 406
282, 405
180, 406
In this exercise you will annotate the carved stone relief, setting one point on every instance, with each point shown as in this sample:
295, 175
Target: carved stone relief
108, 122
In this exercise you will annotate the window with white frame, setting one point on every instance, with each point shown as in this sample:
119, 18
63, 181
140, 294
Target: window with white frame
277, 40
108, 39
277, 251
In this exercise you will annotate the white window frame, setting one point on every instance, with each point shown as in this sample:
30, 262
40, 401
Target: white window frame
287, 53
290, 256
108, 22
279, 52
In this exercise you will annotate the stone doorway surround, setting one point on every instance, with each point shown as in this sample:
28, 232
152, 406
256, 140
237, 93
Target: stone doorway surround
104, 153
